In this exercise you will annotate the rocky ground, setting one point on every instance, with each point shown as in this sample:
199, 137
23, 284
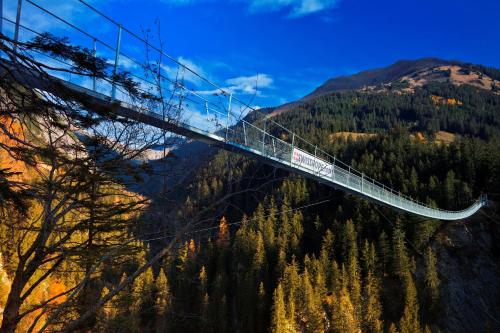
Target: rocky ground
469, 265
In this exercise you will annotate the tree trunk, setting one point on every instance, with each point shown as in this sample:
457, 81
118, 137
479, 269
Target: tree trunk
11, 310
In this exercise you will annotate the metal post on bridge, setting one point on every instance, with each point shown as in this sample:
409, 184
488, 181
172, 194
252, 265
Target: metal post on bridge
315, 151
244, 133
117, 59
362, 179
264, 137
348, 175
333, 168
18, 23
291, 153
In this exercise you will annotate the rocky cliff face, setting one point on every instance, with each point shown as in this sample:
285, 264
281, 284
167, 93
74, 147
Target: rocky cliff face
469, 266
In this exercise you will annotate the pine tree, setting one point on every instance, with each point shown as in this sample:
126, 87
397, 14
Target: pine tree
409, 322
279, 323
268, 226
432, 283
311, 304
144, 302
284, 229
259, 256
369, 257
202, 277
343, 314
162, 301
327, 253
372, 309
401, 264
292, 285
349, 248
335, 283
354, 278
296, 232
223, 238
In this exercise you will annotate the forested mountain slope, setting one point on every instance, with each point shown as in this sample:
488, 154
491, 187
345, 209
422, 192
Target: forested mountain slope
404, 76
288, 254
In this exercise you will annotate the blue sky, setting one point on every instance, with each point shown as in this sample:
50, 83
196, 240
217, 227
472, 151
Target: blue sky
272, 52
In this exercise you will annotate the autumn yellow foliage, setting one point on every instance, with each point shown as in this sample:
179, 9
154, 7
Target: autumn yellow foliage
438, 100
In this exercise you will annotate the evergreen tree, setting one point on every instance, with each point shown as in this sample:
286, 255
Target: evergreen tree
327, 253
162, 301
343, 314
354, 278
335, 282
279, 322
432, 283
292, 285
401, 264
223, 238
296, 232
409, 322
369, 257
311, 305
372, 308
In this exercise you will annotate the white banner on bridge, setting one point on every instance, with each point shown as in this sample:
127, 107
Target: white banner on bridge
308, 161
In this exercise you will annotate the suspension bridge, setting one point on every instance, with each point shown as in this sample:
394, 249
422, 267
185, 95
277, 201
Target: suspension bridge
210, 113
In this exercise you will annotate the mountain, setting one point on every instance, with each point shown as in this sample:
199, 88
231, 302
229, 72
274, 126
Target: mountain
377, 76
406, 75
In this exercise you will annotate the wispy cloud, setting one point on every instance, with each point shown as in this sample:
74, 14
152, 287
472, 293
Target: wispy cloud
292, 8
179, 73
246, 85
125, 63
250, 84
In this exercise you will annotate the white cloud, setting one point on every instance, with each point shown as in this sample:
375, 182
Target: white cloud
294, 8
306, 7
250, 84
245, 85
124, 62
174, 71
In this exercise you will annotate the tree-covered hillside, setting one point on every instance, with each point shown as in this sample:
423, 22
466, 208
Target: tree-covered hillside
288, 254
